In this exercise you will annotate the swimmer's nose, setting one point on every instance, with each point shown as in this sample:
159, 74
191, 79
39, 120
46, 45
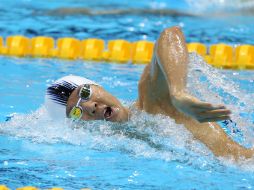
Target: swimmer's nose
94, 108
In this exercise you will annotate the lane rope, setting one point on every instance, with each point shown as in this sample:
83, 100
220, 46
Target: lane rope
121, 51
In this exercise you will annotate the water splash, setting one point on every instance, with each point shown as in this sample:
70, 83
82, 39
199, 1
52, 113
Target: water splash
145, 135
218, 87
150, 136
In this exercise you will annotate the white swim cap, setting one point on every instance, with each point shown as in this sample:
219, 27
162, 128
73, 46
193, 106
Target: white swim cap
57, 94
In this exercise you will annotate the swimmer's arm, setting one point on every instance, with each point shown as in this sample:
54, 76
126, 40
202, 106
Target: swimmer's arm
172, 59
215, 138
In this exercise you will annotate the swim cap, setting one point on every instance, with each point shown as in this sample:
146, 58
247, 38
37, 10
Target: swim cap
57, 94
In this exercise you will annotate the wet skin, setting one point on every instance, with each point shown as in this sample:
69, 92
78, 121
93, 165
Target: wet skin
162, 90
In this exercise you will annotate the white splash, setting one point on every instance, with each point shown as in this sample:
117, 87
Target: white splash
145, 135
150, 136
218, 87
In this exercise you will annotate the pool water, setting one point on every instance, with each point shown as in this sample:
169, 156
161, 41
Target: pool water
149, 151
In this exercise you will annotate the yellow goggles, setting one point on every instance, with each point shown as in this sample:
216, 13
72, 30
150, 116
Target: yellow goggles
76, 112
84, 95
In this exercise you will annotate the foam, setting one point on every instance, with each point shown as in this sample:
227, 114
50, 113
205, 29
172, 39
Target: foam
218, 87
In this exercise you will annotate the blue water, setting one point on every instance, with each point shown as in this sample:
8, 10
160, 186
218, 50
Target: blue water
148, 152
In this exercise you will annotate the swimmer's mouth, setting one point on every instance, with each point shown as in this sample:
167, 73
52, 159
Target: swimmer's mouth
108, 112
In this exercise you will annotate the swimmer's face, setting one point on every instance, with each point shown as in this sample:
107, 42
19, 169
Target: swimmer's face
100, 106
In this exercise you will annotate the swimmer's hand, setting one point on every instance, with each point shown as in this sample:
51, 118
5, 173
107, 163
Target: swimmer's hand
201, 111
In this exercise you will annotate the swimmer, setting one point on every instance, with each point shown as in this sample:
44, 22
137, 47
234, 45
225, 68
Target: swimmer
162, 90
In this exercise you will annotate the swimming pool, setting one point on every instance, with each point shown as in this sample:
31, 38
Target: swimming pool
141, 154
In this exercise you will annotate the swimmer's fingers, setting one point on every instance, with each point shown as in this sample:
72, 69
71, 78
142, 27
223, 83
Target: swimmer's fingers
214, 119
215, 113
207, 106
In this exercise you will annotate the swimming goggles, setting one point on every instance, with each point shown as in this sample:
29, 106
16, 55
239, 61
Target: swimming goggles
84, 95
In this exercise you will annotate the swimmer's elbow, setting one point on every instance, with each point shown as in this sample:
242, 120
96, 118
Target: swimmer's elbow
170, 32
168, 37
170, 40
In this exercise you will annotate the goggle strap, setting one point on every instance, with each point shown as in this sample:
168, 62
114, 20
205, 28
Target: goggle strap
79, 100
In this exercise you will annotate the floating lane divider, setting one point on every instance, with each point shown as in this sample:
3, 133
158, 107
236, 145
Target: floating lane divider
225, 56
3, 187
121, 51
93, 49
